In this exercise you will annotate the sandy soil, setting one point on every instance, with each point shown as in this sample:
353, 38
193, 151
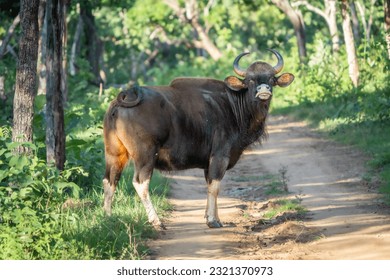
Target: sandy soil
345, 220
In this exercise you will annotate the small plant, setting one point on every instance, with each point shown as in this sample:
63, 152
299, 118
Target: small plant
274, 188
285, 205
278, 185
283, 177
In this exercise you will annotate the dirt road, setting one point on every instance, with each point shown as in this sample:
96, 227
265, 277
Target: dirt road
345, 218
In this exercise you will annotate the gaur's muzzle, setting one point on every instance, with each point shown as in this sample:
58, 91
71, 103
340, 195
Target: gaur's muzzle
263, 92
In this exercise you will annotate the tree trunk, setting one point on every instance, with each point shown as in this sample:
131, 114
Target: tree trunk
355, 22
64, 76
329, 14
55, 134
370, 20
8, 36
366, 23
3, 96
387, 25
350, 44
297, 22
94, 44
205, 41
25, 91
42, 48
332, 24
75, 51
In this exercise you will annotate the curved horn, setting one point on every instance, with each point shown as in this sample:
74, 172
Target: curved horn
237, 68
279, 66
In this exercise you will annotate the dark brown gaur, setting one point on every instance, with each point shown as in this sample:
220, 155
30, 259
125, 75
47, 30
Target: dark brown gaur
191, 123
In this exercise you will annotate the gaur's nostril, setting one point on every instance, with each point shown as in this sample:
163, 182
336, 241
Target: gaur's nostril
264, 86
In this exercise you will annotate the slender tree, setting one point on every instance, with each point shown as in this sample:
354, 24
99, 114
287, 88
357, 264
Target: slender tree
26, 71
190, 14
387, 25
367, 23
298, 24
8, 36
55, 134
3, 96
64, 61
355, 22
42, 48
329, 14
350, 44
76, 45
94, 48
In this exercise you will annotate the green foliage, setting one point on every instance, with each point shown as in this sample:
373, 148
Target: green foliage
8, 11
132, 34
31, 194
7, 70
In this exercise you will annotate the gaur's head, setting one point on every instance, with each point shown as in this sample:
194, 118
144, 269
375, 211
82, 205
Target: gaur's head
259, 78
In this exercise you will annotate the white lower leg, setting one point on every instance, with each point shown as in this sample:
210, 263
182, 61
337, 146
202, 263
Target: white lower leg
143, 192
108, 194
212, 207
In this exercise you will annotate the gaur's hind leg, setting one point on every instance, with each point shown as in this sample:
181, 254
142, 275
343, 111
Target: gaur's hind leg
116, 158
142, 175
109, 183
214, 174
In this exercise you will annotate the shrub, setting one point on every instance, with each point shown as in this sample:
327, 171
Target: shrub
31, 196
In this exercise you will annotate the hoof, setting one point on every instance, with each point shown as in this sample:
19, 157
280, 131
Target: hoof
159, 226
107, 212
214, 224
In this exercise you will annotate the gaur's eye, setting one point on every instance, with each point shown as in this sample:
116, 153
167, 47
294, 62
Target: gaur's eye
272, 81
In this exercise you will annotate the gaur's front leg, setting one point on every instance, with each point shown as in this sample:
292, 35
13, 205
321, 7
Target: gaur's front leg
214, 174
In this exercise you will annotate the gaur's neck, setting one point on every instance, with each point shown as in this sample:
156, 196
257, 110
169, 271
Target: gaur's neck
250, 118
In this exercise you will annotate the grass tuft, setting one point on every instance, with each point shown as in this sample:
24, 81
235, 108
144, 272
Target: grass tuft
285, 205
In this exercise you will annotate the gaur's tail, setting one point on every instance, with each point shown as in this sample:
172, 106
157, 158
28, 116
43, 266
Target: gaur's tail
130, 98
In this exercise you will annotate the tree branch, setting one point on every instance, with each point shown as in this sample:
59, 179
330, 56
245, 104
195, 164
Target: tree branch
206, 9
175, 6
298, 24
310, 7
366, 24
8, 36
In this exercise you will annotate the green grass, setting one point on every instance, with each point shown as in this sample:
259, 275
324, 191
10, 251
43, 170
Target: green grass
123, 235
41, 221
285, 205
275, 188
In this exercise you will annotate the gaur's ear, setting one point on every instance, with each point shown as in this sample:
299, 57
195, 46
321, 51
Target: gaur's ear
285, 79
234, 83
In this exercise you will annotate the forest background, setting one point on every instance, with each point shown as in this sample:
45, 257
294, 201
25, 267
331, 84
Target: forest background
62, 62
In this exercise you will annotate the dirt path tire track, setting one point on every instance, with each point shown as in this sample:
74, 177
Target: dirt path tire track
349, 219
